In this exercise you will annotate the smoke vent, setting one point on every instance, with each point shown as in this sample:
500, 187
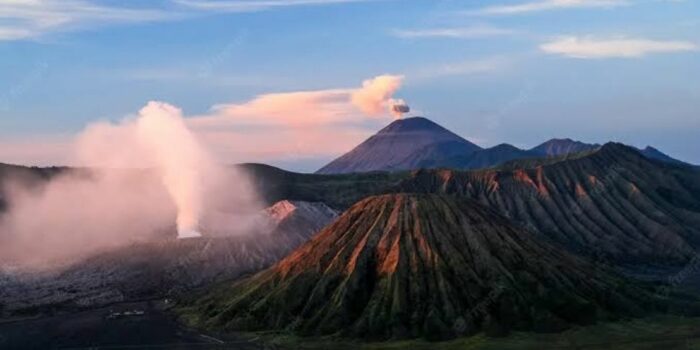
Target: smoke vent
401, 108
186, 234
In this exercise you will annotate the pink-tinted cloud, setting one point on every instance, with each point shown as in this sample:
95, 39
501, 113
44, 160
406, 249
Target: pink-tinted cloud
305, 108
269, 127
298, 124
375, 96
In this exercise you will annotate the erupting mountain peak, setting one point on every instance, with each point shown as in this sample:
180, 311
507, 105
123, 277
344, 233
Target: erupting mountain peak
399, 146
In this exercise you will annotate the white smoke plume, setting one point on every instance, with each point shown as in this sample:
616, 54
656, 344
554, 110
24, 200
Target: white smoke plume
143, 177
182, 162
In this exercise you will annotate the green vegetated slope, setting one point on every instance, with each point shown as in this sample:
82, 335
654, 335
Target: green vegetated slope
651, 333
432, 266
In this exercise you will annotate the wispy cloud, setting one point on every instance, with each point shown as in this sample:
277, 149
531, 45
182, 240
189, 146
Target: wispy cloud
29, 19
26, 19
481, 31
255, 5
467, 67
595, 48
547, 5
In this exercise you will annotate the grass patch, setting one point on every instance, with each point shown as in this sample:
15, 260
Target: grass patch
658, 332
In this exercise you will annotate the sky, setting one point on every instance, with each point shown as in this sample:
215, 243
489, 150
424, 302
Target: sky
296, 83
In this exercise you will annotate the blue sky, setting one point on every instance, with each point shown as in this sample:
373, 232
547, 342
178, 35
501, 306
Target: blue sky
493, 71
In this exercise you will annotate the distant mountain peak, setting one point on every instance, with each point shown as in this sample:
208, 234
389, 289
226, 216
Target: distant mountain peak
653, 153
412, 124
504, 146
399, 146
560, 146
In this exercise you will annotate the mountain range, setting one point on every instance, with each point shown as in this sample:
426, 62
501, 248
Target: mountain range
418, 233
418, 143
612, 202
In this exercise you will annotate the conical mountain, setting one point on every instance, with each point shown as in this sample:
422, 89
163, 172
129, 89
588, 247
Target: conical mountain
398, 147
404, 265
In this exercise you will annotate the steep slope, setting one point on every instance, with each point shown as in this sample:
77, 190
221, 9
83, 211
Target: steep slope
401, 265
612, 203
653, 153
397, 146
557, 147
443, 154
167, 267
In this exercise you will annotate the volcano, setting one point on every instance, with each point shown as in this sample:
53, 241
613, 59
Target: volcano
421, 265
401, 145
418, 143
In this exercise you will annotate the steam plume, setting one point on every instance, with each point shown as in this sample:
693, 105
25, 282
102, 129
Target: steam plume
374, 98
142, 177
180, 159
158, 139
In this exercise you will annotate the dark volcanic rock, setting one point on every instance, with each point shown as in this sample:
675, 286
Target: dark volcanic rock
401, 266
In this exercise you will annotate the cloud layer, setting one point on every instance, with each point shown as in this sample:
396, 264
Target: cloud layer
254, 5
473, 32
298, 124
547, 5
597, 48
29, 19
294, 125
32, 18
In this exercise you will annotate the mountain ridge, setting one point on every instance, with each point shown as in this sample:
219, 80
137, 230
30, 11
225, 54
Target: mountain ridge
425, 145
613, 202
